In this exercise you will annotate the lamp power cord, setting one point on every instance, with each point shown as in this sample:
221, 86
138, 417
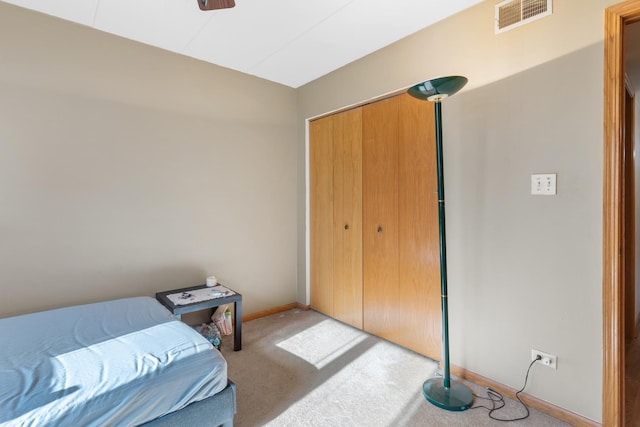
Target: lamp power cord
498, 402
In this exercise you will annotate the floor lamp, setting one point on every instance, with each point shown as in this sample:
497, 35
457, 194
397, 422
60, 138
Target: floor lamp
441, 391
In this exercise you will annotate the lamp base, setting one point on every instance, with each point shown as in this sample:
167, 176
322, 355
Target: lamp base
457, 397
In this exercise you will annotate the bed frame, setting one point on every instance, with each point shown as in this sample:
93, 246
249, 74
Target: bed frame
217, 410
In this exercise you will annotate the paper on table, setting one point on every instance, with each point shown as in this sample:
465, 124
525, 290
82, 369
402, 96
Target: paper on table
199, 295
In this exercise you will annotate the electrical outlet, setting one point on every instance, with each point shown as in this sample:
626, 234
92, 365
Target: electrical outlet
548, 360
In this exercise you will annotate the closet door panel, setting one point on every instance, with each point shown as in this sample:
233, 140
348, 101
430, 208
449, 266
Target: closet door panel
347, 188
374, 221
321, 219
418, 239
381, 308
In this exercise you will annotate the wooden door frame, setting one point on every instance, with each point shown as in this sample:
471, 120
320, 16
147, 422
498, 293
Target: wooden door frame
613, 333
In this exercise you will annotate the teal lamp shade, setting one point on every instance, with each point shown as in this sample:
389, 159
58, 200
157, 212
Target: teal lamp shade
438, 89
442, 391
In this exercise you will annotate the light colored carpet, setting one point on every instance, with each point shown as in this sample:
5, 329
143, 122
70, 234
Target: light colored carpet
301, 368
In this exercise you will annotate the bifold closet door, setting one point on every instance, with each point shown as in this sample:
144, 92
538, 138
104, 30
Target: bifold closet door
335, 157
347, 213
321, 220
419, 253
401, 280
382, 293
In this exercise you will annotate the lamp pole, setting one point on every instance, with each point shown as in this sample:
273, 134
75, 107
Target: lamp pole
443, 392
443, 246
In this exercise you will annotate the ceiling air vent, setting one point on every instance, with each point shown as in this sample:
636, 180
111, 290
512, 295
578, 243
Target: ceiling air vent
513, 13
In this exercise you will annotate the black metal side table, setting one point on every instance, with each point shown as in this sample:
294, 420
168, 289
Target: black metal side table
234, 298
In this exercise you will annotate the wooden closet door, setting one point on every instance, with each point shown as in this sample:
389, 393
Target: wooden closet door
382, 309
347, 211
321, 220
400, 234
418, 229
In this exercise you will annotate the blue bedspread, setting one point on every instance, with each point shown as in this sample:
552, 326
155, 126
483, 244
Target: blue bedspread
117, 363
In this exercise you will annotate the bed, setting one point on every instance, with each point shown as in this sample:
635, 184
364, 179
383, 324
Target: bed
125, 362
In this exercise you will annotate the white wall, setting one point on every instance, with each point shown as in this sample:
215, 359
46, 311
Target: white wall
524, 271
126, 170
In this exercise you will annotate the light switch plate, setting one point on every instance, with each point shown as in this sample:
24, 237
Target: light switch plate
543, 184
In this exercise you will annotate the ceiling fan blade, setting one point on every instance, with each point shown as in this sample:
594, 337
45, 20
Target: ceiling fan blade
215, 4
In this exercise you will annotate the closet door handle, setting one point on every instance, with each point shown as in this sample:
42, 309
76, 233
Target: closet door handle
379, 229
346, 226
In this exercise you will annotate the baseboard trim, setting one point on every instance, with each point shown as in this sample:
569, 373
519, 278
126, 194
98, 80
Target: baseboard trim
531, 401
275, 310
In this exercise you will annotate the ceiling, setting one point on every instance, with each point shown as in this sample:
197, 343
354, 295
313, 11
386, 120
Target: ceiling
291, 42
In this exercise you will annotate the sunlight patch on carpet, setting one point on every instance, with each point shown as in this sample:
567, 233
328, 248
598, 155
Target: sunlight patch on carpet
377, 387
323, 343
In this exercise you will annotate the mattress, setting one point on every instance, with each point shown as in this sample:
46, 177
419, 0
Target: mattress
122, 362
